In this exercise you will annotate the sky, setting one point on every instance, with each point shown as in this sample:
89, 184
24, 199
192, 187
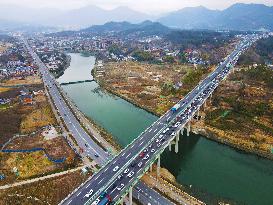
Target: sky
148, 6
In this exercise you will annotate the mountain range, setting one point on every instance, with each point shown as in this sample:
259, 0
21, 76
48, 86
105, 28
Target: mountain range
237, 17
76, 18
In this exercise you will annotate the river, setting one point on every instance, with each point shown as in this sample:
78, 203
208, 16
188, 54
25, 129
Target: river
209, 170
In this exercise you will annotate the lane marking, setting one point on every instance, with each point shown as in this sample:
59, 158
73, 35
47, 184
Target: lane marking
128, 156
100, 181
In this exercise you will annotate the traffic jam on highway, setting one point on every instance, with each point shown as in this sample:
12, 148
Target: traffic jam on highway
113, 180
176, 118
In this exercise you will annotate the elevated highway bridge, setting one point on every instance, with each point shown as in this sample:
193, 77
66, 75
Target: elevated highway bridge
116, 179
119, 175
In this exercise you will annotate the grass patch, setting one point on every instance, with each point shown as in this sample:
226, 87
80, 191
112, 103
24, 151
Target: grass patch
37, 118
28, 164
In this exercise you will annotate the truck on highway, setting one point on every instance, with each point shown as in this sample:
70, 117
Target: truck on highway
175, 108
105, 199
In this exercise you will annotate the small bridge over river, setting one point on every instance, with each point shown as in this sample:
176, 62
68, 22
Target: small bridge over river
76, 82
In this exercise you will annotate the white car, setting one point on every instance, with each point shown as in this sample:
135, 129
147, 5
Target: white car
176, 125
116, 168
160, 136
131, 174
153, 150
146, 157
139, 164
166, 130
126, 171
96, 202
120, 176
89, 193
157, 140
120, 187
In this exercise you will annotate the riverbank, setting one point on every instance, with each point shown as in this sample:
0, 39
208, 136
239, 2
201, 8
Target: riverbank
229, 140
63, 67
259, 142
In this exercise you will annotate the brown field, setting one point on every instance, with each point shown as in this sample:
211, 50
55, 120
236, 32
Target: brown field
36, 163
29, 80
39, 117
49, 191
148, 85
4, 90
28, 164
26, 119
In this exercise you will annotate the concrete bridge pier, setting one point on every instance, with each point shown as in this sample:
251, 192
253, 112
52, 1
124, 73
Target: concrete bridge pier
198, 114
182, 131
151, 168
205, 105
170, 146
176, 142
189, 128
158, 167
131, 196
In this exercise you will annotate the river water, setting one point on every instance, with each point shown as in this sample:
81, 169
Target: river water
78, 62
208, 169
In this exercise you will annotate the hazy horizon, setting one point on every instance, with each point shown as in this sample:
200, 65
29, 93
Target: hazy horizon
152, 7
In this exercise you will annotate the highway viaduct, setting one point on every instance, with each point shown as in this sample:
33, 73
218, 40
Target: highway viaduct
118, 177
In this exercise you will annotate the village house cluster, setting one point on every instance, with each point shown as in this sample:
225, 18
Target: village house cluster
51, 54
108, 47
16, 63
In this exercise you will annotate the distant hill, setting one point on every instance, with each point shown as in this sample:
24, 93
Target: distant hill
76, 18
125, 28
110, 27
237, 17
92, 15
191, 18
